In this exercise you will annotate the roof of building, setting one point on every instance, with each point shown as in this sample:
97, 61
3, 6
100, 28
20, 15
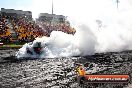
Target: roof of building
16, 11
51, 15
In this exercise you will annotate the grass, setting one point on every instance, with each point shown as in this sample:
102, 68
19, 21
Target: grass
10, 46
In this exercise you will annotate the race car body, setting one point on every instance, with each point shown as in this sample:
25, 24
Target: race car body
37, 48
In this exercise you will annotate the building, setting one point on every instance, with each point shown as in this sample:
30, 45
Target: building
16, 13
45, 17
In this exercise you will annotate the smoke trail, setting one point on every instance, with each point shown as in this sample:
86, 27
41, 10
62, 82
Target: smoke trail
60, 44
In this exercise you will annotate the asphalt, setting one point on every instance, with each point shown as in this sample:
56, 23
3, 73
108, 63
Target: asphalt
59, 72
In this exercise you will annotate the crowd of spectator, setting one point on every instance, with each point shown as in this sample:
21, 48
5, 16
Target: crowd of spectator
27, 30
4, 30
49, 27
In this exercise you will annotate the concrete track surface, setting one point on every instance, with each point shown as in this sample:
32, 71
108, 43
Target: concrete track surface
59, 72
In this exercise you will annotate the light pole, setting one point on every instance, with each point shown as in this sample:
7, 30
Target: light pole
52, 7
117, 1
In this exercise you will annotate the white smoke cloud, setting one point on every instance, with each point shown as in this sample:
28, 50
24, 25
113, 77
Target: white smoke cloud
86, 40
60, 44
114, 34
118, 34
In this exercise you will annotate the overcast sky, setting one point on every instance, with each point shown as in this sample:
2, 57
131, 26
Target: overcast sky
71, 8
75, 9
